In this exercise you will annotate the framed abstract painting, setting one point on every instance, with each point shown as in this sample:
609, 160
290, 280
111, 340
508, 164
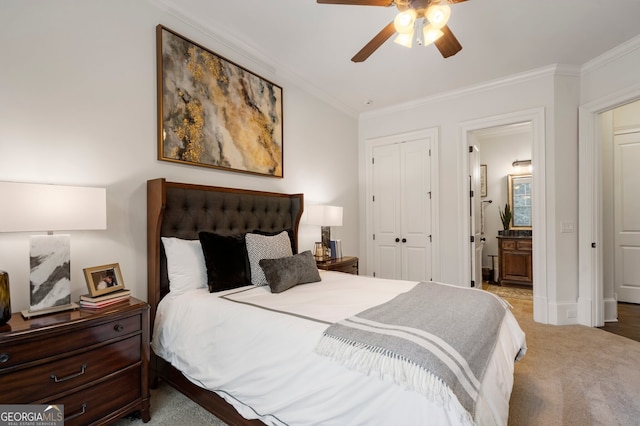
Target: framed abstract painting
215, 113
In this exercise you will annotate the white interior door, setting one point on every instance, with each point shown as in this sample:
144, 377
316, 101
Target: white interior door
627, 217
401, 210
476, 240
415, 184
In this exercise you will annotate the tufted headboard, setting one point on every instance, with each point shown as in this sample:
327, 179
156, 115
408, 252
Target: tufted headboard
182, 210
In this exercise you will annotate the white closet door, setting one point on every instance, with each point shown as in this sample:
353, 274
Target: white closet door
386, 212
415, 184
401, 209
627, 217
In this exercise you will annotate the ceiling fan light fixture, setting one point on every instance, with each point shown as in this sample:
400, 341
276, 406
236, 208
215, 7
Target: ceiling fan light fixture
404, 21
431, 34
438, 15
404, 39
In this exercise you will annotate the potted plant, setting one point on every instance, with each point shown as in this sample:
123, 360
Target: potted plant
505, 217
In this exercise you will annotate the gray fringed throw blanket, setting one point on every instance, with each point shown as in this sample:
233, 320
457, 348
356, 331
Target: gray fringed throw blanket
435, 339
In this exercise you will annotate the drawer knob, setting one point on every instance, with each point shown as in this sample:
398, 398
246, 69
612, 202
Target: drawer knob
118, 327
55, 378
4, 357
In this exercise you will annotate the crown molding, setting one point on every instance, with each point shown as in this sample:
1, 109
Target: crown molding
612, 55
251, 55
550, 70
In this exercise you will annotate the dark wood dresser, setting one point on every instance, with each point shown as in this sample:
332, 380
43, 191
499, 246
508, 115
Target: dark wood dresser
348, 264
95, 362
515, 260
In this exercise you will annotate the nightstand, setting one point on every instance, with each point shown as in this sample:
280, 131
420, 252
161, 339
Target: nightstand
348, 264
93, 361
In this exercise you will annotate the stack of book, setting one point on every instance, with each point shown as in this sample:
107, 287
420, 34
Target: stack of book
88, 301
336, 249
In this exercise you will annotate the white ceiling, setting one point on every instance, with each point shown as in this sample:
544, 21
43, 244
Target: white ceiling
312, 44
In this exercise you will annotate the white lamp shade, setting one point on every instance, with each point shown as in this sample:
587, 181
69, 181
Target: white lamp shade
40, 207
324, 215
404, 21
404, 39
431, 34
438, 15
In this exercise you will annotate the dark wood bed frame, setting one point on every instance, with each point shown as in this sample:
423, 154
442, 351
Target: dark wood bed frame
182, 210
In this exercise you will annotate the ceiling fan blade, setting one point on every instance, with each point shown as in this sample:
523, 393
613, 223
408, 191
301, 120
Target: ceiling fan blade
448, 44
358, 2
375, 42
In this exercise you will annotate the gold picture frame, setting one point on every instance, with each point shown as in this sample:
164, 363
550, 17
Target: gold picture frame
215, 113
103, 279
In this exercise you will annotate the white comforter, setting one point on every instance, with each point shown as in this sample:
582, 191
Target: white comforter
263, 363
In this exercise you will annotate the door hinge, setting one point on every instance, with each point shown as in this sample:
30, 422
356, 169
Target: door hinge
473, 239
473, 283
373, 160
471, 194
470, 149
429, 194
374, 275
373, 199
430, 238
593, 245
374, 237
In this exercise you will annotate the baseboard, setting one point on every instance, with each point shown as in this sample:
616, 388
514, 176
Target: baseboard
610, 310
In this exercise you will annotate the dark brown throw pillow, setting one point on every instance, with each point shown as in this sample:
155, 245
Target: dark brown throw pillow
287, 272
226, 259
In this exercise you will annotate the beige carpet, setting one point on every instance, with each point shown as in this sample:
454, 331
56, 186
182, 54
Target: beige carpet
574, 375
571, 375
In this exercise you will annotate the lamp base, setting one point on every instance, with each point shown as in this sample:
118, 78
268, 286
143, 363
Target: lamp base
27, 313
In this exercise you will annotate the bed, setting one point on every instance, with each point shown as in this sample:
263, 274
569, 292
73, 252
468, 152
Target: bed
251, 355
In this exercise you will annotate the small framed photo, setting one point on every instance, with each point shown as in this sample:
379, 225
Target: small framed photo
104, 279
483, 180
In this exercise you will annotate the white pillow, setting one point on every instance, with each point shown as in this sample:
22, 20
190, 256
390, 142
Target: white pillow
266, 247
185, 264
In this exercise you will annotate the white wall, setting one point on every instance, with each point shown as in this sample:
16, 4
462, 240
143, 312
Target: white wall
555, 89
78, 107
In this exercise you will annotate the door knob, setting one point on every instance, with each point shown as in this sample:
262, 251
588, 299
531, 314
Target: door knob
397, 240
404, 240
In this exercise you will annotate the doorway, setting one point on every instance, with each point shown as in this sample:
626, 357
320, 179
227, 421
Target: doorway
535, 118
592, 310
501, 150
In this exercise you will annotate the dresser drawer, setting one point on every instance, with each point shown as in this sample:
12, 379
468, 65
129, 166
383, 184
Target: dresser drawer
19, 352
349, 269
514, 244
104, 399
31, 384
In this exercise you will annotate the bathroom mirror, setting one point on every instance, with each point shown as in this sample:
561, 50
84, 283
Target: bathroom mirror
520, 200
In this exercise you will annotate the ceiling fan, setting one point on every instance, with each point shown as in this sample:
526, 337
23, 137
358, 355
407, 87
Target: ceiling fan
422, 21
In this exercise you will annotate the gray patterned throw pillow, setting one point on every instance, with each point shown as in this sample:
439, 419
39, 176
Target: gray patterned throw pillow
265, 247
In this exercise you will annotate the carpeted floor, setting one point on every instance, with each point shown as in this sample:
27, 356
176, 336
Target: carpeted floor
571, 376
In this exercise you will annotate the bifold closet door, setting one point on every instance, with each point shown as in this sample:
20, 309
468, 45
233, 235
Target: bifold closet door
402, 210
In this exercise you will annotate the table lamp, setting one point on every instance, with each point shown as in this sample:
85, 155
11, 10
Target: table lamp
30, 207
326, 217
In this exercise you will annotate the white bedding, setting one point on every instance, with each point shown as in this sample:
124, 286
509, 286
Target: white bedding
263, 363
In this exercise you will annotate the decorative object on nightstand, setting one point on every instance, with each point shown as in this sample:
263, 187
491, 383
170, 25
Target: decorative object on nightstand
5, 298
94, 362
348, 264
40, 207
325, 216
